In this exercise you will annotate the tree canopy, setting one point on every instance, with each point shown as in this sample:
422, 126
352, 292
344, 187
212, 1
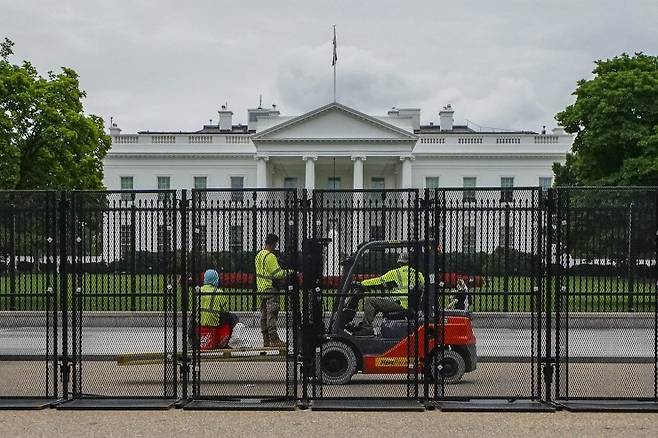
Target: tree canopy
615, 119
46, 140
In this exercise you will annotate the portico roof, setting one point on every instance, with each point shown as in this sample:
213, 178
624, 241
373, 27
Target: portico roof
334, 122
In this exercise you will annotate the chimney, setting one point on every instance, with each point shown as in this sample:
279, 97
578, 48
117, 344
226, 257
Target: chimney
393, 112
413, 113
114, 129
225, 119
446, 118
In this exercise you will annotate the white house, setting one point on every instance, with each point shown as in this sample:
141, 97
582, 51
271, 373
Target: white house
331, 147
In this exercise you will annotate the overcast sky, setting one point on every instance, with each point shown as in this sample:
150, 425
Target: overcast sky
169, 65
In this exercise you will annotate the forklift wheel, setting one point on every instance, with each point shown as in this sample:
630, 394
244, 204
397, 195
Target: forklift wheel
447, 366
337, 364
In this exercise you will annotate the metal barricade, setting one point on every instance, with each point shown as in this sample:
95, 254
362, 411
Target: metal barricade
605, 294
229, 228
364, 233
125, 331
485, 298
29, 326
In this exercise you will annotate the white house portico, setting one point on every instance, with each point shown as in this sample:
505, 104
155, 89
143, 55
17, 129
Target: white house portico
333, 147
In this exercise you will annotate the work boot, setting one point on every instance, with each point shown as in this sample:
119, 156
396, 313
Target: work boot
266, 339
364, 331
275, 342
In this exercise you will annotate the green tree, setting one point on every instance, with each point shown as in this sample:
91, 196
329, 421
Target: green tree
46, 140
615, 119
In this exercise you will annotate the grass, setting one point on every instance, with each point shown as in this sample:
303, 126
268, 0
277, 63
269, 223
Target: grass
116, 292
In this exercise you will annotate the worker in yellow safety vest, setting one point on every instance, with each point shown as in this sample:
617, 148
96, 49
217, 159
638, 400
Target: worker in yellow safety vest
403, 281
216, 324
268, 272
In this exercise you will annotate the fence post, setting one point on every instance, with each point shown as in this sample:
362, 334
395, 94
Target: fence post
12, 255
133, 261
655, 299
183, 283
63, 295
254, 241
548, 290
506, 261
631, 261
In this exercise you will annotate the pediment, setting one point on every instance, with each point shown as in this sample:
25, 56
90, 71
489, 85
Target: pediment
335, 123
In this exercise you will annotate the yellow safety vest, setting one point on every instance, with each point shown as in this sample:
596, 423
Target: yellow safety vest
267, 269
212, 306
404, 278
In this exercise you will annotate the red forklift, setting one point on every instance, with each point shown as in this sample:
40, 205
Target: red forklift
444, 340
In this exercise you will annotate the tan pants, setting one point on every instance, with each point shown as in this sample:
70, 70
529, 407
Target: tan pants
269, 311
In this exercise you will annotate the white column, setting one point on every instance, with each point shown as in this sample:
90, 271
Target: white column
261, 171
309, 177
358, 171
406, 171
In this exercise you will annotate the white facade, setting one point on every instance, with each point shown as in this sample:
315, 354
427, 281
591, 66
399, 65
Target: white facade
331, 147
354, 149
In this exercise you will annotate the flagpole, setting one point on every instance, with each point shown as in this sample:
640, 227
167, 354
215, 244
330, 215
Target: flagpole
334, 63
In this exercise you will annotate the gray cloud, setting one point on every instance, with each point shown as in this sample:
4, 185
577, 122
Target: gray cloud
168, 65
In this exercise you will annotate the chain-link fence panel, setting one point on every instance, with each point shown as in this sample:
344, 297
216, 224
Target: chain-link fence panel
29, 267
125, 333
485, 293
364, 307
603, 265
244, 322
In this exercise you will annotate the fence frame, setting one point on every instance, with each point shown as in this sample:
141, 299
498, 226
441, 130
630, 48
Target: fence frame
549, 278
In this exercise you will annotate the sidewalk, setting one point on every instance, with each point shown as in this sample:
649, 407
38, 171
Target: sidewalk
179, 423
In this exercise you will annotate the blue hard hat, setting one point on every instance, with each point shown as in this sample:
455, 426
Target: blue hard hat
211, 277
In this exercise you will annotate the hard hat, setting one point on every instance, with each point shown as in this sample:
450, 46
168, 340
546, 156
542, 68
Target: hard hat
211, 277
403, 257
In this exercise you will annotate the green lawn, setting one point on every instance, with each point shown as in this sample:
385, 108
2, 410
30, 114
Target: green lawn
117, 292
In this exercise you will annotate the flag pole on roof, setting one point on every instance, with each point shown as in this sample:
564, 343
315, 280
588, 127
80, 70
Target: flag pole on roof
333, 62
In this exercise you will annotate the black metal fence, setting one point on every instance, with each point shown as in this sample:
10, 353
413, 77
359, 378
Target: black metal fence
515, 294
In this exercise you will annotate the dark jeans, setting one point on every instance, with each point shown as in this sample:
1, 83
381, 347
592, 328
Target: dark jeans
374, 305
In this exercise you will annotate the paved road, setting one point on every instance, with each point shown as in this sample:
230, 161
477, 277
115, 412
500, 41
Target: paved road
180, 423
498, 342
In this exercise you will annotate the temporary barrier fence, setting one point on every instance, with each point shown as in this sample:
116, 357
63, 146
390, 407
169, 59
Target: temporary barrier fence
100, 298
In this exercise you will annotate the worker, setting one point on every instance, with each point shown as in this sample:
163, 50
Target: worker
402, 278
216, 324
268, 272
460, 301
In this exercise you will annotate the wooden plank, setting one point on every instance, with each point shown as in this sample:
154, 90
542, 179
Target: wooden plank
222, 355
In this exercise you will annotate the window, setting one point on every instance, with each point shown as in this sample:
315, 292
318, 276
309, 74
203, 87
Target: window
237, 182
333, 183
201, 239
377, 183
545, 182
126, 184
376, 232
470, 182
468, 238
201, 183
164, 238
431, 182
506, 183
290, 182
235, 238
125, 242
505, 235
164, 183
